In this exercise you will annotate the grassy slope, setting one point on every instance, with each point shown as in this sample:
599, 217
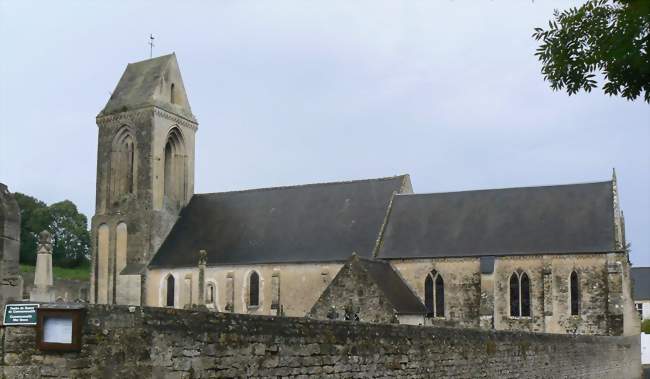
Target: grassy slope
77, 273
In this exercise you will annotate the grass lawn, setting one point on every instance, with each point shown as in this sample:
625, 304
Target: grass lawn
77, 273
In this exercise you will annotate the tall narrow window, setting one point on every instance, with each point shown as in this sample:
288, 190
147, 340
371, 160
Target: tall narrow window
428, 294
209, 294
172, 94
434, 295
169, 160
122, 163
130, 155
519, 295
254, 290
440, 296
575, 294
525, 295
175, 171
170, 291
514, 295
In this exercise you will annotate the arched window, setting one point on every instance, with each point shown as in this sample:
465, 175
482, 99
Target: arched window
575, 294
209, 293
440, 296
519, 295
172, 94
170, 291
428, 294
254, 290
525, 295
174, 166
169, 164
514, 295
434, 295
122, 163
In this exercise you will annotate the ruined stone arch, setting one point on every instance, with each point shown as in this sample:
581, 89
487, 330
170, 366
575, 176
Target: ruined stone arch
123, 166
434, 294
175, 166
101, 285
121, 241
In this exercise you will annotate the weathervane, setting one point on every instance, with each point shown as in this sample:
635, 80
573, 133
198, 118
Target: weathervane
151, 45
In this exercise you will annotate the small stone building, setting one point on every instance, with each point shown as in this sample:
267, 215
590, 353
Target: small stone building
369, 290
641, 290
11, 283
542, 259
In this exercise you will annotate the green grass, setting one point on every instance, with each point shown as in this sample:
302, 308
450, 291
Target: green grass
77, 273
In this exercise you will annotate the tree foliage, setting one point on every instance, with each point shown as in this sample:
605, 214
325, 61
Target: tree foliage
645, 326
608, 38
71, 239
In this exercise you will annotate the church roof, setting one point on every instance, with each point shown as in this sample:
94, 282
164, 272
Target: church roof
398, 293
150, 83
308, 223
640, 283
577, 218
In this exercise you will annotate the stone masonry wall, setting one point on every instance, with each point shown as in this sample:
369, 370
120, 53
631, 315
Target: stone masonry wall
354, 293
123, 342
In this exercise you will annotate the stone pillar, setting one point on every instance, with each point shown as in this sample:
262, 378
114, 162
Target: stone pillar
11, 283
203, 260
547, 293
615, 299
486, 310
43, 279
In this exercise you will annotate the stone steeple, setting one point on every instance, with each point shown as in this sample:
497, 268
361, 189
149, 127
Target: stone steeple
145, 175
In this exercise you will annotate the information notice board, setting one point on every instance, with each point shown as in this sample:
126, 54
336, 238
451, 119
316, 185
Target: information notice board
20, 314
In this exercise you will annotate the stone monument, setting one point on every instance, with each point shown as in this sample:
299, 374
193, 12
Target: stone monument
11, 283
43, 290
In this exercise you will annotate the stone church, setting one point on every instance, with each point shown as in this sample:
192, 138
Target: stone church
543, 259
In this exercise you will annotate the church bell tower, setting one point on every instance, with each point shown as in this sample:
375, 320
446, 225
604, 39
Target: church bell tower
145, 176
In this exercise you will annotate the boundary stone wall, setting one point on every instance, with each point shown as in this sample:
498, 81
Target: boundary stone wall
142, 342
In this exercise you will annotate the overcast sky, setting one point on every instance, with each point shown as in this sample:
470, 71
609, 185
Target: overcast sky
291, 92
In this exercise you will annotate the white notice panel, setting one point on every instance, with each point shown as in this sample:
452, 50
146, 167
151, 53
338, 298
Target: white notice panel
57, 330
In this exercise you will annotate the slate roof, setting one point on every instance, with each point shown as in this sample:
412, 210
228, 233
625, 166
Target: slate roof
401, 297
640, 283
140, 85
575, 218
309, 223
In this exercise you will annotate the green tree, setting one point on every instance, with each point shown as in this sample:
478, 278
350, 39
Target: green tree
34, 217
69, 228
71, 239
608, 38
645, 326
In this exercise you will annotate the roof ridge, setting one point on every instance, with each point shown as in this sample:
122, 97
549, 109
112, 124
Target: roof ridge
386, 178
502, 188
160, 57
